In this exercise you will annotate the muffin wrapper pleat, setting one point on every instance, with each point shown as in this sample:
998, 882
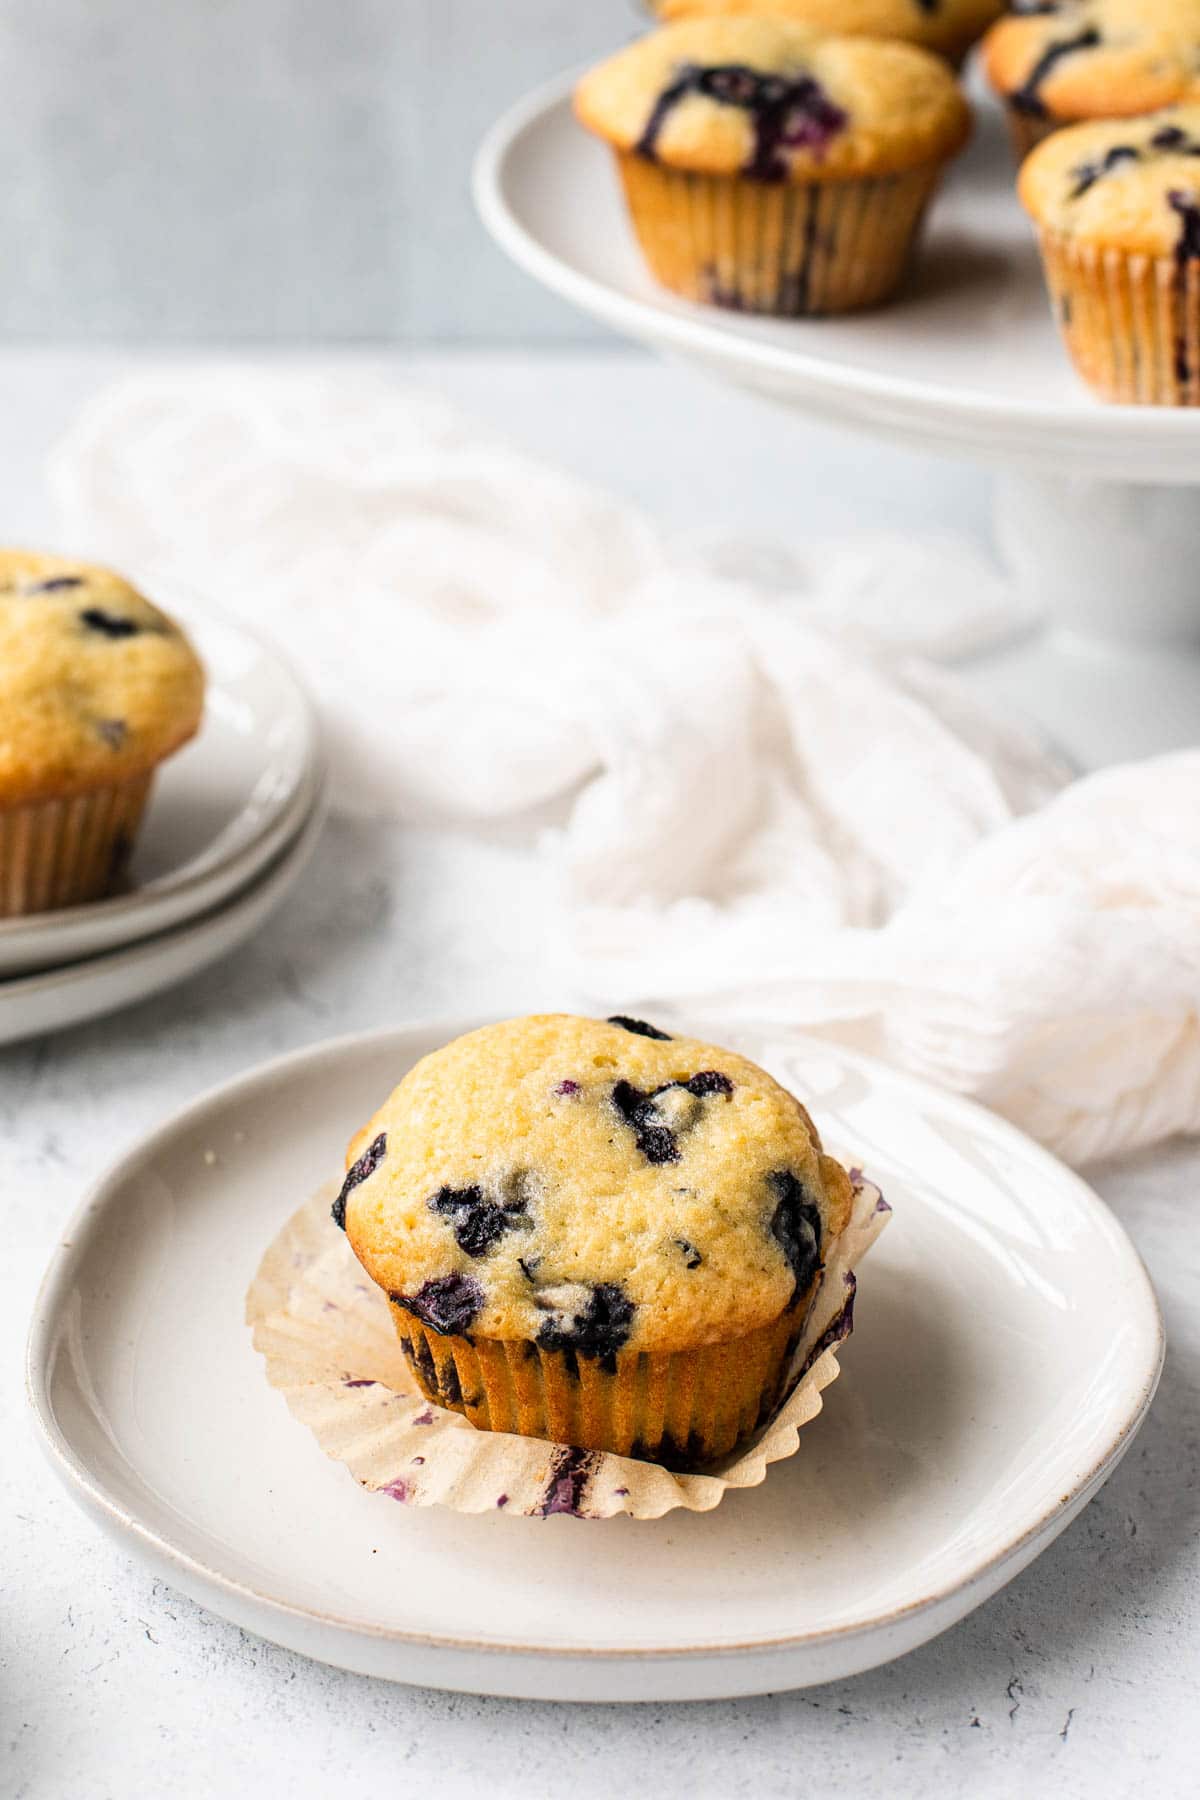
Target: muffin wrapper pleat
683, 1408
327, 1336
1130, 322
57, 853
790, 249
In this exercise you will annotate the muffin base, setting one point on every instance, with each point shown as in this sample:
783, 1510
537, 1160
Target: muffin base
1027, 130
64, 852
1131, 324
680, 1408
789, 249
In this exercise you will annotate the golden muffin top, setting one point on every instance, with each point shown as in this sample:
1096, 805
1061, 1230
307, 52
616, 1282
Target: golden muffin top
773, 101
1095, 59
948, 26
1127, 184
587, 1183
96, 685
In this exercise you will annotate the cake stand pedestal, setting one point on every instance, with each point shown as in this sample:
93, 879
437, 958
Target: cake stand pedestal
1097, 517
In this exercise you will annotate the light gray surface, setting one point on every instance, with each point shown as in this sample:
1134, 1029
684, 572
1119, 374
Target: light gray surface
1080, 1679
269, 169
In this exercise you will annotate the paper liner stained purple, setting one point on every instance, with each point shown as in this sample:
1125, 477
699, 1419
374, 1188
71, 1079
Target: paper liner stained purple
326, 1335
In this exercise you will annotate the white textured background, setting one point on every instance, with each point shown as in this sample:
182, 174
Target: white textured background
268, 169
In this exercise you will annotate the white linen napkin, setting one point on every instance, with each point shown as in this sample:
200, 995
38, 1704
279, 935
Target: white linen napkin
765, 805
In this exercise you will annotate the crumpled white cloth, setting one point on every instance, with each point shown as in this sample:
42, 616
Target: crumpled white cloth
753, 800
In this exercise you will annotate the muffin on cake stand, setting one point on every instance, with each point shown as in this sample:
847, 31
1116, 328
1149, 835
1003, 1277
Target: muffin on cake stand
1095, 510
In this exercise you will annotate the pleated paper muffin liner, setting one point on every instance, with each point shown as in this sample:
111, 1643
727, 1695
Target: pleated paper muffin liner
682, 1408
1027, 130
790, 249
326, 1334
64, 852
1130, 322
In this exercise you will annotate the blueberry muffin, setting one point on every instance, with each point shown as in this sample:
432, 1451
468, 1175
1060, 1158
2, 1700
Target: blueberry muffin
770, 170
1059, 62
947, 27
1117, 208
596, 1233
96, 688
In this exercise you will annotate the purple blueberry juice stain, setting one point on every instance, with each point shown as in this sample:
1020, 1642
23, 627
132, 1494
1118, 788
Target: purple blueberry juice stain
839, 1327
638, 1027
570, 1472
398, 1489
122, 850
1188, 208
56, 584
112, 732
1187, 248
718, 292
621, 1493
424, 1418
567, 1088
447, 1305
357, 1381
786, 113
669, 1453
422, 1359
366, 1165
451, 1385
417, 1461
501, 1500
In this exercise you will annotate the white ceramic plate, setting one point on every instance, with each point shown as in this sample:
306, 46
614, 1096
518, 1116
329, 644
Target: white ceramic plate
968, 358
1007, 1348
33, 1004
219, 812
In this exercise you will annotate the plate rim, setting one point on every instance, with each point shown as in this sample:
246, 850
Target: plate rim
305, 829
1115, 432
92, 1493
178, 885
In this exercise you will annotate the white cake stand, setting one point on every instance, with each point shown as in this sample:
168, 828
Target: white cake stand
1096, 513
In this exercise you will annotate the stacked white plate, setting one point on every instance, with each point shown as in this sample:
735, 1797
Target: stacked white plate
231, 823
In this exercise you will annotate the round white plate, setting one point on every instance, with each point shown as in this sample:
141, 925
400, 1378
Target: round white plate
219, 812
33, 1004
1008, 1344
967, 359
